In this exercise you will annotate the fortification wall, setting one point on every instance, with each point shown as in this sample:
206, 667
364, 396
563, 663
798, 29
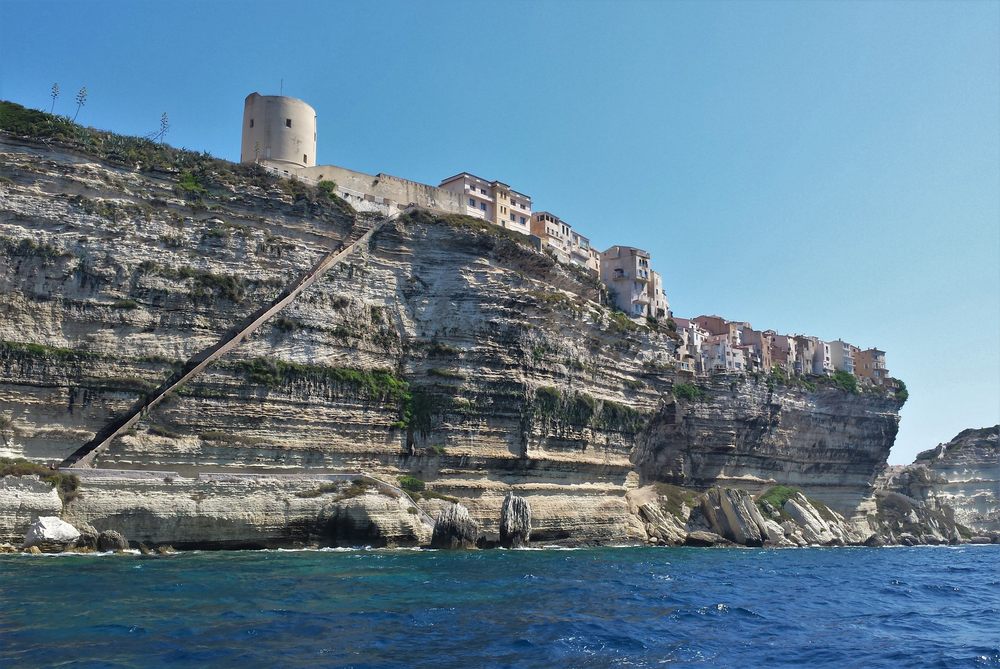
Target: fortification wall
386, 187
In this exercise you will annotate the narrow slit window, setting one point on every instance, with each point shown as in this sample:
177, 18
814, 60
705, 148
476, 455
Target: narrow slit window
305, 158
251, 123
288, 123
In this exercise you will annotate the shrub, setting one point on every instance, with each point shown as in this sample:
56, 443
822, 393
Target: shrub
189, 184
619, 417
445, 373
125, 304
845, 381
329, 188
29, 248
67, 485
547, 400
411, 483
902, 394
437, 349
687, 391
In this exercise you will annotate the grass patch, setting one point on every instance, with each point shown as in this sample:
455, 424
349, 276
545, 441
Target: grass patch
375, 384
323, 489
190, 185
619, 322
673, 498
430, 494
776, 496
26, 349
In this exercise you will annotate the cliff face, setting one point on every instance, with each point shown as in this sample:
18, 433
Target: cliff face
752, 434
448, 350
962, 475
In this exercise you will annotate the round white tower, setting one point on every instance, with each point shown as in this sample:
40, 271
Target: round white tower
280, 129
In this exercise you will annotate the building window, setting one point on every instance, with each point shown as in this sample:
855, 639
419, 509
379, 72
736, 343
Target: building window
472, 203
482, 205
513, 218
251, 123
483, 191
305, 158
288, 123
524, 221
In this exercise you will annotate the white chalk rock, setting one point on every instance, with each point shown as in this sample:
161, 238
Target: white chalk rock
50, 530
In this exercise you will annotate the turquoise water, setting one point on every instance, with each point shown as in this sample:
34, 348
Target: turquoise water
635, 607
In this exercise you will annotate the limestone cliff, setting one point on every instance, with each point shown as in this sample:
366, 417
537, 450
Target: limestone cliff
449, 350
962, 475
753, 434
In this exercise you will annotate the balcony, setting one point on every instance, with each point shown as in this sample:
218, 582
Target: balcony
474, 192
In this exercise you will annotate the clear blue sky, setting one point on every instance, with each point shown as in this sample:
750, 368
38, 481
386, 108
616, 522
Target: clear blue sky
821, 168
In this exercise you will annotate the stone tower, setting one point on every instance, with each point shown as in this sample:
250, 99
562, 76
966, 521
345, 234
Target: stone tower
279, 129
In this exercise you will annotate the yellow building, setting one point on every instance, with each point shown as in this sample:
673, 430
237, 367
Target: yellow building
492, 201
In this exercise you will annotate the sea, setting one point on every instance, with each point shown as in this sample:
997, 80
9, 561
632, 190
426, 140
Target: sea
601, 607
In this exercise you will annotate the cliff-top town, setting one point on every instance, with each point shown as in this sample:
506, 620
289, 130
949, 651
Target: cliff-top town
279, 133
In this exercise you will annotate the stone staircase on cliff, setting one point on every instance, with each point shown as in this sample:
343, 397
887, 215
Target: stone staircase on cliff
84, 456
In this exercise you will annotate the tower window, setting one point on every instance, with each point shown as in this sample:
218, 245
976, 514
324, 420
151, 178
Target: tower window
305, 158
288, 123
251, 123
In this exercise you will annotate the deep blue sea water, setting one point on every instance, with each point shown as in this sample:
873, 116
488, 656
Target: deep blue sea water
634, 607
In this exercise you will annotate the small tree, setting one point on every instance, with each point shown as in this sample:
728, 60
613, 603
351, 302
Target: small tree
54, 94
81, 100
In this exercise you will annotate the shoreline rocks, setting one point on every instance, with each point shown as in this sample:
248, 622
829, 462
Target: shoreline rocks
515, 522
454, 528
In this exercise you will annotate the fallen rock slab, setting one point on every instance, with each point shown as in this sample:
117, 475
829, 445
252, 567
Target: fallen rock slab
705, 538
50, 534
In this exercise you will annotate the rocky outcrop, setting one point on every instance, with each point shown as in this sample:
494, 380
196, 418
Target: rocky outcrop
663, 510
51, 535
911, 522
963, 475
731, 513
515, 522
110, 541
454, 528
752, 433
